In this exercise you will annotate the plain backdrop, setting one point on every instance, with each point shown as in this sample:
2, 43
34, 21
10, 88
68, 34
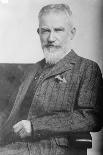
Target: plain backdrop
19, 41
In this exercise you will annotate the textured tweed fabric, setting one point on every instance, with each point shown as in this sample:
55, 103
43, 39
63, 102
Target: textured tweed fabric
66, 99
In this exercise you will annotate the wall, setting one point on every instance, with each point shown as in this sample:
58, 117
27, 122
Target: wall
19, 41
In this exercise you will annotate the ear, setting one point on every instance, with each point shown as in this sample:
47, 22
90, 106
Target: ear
38, 30
73, 32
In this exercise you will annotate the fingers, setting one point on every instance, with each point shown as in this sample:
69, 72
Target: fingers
22, 133
17, 127
20, 130
23, 128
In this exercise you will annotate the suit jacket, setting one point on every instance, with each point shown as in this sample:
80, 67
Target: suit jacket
67, 99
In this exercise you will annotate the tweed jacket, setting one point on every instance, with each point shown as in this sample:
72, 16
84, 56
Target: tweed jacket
66, 99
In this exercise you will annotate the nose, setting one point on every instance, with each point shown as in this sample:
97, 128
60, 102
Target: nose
51, 37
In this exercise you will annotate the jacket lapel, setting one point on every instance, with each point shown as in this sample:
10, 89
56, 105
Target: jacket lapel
24, 87
63, 65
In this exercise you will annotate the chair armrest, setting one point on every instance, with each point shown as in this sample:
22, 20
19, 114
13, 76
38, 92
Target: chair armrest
81, 140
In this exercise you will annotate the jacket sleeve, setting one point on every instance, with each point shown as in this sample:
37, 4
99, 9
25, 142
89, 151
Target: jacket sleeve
87, 113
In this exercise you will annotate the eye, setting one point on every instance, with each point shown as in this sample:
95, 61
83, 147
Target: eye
43, 31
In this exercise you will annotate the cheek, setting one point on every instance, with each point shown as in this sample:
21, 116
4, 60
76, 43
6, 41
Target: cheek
43, 39
64, 39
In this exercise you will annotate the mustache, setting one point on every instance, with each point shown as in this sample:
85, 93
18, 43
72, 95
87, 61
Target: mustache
52, 45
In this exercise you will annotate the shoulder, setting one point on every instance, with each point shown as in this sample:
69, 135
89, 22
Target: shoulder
83, 61
89, 64
88, 67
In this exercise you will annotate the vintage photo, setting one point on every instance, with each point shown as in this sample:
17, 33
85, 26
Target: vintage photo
51, 77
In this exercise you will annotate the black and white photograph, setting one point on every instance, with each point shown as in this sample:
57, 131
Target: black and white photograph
51, 77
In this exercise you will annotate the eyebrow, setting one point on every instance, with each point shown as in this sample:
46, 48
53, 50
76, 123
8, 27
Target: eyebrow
44, 28
56, 28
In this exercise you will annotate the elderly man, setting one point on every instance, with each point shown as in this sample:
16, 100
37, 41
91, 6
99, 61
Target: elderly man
61, 94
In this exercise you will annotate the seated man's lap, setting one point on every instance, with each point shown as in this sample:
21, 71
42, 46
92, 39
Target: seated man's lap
42, 148
14, 149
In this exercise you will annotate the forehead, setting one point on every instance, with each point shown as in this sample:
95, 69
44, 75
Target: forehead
54, 19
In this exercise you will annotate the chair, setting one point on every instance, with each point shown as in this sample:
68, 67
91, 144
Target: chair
80, 142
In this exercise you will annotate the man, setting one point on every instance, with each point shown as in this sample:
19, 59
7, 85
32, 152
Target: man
60, 96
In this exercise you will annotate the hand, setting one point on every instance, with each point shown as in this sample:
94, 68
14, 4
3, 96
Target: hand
23, 128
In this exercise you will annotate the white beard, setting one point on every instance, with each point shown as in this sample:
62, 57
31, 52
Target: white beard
53, 55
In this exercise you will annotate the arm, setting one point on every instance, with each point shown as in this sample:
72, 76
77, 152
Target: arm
85, 115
